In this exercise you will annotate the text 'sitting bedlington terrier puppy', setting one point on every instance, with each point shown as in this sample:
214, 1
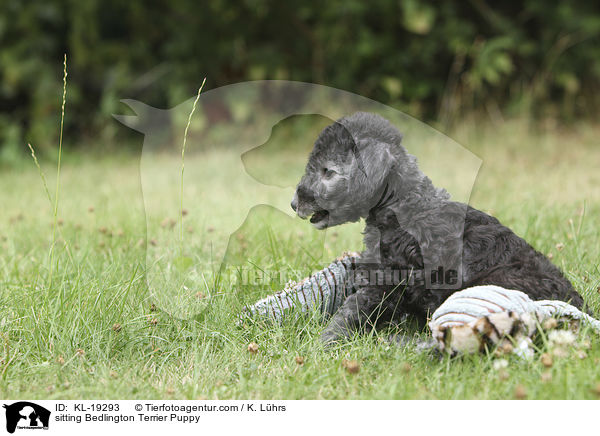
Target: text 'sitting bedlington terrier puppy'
359, 169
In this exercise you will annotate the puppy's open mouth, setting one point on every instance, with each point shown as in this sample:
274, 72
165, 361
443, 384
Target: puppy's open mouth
319, 216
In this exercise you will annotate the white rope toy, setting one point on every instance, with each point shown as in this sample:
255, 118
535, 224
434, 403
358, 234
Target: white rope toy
482, 315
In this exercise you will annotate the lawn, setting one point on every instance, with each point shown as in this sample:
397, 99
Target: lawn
103, 321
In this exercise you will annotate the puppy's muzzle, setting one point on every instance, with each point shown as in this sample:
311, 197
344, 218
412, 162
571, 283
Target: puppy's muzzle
302, 203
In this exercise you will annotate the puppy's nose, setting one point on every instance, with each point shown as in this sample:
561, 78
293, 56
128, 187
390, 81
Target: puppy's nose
294, 204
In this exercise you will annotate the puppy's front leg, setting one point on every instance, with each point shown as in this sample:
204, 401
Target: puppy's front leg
360, 310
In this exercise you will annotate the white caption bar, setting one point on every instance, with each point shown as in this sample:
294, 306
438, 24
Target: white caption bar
306, 417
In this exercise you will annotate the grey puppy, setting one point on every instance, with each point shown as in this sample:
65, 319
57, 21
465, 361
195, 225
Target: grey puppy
424, 245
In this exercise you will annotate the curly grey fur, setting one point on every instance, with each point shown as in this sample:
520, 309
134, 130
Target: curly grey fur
359, 169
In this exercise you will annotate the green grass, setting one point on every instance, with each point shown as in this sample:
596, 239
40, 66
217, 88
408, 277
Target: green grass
92, 331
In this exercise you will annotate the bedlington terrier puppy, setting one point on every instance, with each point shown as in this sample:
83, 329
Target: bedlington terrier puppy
426, 245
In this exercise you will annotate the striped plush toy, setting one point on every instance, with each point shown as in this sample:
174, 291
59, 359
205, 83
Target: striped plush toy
324, 291
468, 321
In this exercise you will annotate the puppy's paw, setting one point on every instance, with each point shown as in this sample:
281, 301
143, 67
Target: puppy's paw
332, 336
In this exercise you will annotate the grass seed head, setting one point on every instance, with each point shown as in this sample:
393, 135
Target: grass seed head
520, 392
300, 360
253, 347
116, 327
546, 360
352, 366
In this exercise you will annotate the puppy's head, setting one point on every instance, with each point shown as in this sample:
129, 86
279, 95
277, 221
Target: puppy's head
346, 171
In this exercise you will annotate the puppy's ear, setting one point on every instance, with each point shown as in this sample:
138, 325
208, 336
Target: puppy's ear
378, 160
345, 137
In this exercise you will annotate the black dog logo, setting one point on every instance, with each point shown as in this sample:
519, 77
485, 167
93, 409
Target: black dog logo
30, 413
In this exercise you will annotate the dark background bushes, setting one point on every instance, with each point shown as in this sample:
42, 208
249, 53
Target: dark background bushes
435, 60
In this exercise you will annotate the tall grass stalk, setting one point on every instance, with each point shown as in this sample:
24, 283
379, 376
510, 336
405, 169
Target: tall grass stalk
42, 175
57, 191
47, 191
187, 127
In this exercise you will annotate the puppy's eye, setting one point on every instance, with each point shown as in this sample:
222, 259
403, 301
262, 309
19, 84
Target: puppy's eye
328, 173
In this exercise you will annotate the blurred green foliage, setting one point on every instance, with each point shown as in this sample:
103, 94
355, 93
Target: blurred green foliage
435, 60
